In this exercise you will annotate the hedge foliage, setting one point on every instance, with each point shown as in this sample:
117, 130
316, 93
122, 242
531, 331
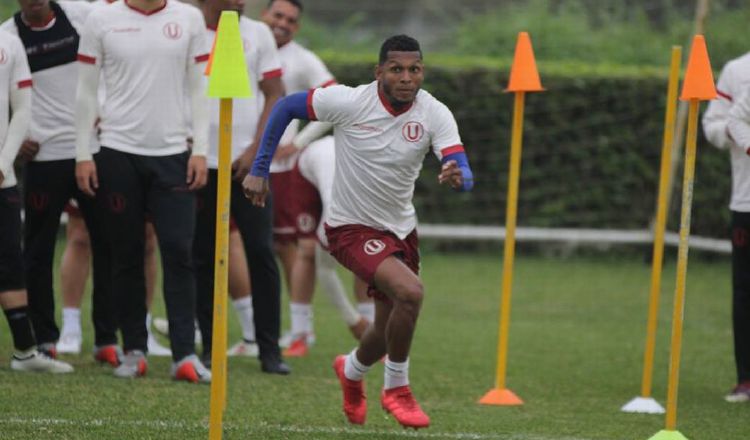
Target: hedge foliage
591, 149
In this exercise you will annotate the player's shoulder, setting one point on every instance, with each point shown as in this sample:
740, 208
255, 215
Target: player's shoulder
298, 50
8, 38
430, 102
9, 26
252, 25
76, 7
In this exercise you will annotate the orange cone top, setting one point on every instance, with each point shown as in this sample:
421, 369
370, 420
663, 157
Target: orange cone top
699, 78
524, 76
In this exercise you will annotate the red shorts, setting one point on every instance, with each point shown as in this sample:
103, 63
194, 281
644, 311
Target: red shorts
284, 224
361, 249
306, 206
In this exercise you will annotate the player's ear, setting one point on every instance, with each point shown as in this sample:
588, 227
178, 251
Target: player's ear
378, 71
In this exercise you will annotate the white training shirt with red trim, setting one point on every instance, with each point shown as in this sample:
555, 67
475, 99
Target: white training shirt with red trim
379, 153
303, 70
14, 75
317, 163
54, 93
144, 59
262, 59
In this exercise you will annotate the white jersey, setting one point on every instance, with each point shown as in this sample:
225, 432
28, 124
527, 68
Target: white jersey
317, 163
262, 60
733, 80
144, 59
14, 74
55, 78
379, 153
303, 70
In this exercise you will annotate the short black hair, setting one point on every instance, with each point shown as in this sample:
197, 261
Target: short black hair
399, 43
297, 3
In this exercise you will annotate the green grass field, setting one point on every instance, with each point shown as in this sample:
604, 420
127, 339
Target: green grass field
576, 341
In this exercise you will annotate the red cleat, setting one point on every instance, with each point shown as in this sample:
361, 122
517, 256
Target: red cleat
355, 404
298, 348
401, 404
110, 354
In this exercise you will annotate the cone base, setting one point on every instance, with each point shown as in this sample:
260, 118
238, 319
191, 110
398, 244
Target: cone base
643, 405
504, 397
668, 435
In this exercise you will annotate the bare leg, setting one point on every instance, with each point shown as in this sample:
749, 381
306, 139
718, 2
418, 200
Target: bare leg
74, 268
150, 263
287, 252
239, 278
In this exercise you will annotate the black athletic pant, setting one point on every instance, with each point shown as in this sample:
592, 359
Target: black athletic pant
129, 186
741, 293
48, 186
255, 226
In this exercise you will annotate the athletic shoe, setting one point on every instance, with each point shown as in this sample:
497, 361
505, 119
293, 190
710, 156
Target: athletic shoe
288, 337
359, 328
401, 404
190, 369
740, 393
69, 343
355, 403
243, 348
155, 348
298, 347
133, 365
274, 365
161, 325
109, 354
34, 360
48, 349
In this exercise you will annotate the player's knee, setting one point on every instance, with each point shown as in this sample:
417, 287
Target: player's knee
410, 296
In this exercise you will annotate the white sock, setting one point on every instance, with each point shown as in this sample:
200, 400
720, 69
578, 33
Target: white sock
71, 320
396, 374
367, 310
244, 309
353, 368
301, 318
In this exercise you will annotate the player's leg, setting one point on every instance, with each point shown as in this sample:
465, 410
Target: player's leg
741, 305
74, 271
239, 291
331, 284
204, 251
150, 264
301, 291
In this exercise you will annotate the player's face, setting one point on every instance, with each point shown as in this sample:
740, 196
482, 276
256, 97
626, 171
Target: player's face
401, 76
283, 19
33, 8
227, 5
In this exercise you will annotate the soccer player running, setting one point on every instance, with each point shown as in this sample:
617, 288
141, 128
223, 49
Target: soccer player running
254, 223
382, 132
148, 53
15, 95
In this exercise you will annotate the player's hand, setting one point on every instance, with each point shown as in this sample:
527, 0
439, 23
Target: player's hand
285, 151
197, 172
28, 150
241, 166
86, 177
256, 189
451, 174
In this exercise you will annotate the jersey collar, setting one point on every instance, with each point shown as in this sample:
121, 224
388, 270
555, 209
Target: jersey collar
389, 107
141, 11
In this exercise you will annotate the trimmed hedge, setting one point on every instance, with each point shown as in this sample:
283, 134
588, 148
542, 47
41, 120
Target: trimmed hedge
591, 150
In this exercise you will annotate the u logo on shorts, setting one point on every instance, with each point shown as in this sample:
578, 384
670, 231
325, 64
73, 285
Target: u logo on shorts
374, 247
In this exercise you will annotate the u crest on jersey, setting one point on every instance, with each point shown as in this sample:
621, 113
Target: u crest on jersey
374, 246
413, 131
172, 30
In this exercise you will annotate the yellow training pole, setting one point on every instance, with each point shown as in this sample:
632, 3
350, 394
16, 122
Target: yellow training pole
221, 273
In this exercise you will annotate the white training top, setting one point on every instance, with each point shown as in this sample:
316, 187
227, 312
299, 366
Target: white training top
303, 70
263, 62
14, 75
144, 59
54, 92
317, 163
733, 80
379, 152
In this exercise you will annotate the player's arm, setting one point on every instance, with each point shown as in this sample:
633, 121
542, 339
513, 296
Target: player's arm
456, 170
20, 104
286, 109
739, 122
715, 120
86, 109
197, 172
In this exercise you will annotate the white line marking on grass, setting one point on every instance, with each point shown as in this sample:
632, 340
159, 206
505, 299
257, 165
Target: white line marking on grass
309, 430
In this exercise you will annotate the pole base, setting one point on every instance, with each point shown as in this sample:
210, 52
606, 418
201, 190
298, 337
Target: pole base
504, 397
643, 405
668, 435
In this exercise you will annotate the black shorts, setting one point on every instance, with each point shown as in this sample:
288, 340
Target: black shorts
11, 260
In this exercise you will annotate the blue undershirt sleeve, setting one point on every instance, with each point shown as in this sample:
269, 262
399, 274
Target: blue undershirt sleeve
463, 164
286, 109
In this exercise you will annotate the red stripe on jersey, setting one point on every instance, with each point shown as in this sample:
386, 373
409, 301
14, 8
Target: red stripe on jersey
201, 58
453, 149
387, 104
86, 59
310, 110
25, 83
330, 82
272, 74
144, 12
724, 95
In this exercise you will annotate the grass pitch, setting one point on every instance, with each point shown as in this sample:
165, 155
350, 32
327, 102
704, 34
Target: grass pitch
575, 357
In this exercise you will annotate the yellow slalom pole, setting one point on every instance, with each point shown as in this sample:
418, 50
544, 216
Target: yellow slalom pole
221, 273
661, 221
679, 296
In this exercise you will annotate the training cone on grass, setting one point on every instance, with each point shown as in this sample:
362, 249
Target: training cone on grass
698, 86
524, 78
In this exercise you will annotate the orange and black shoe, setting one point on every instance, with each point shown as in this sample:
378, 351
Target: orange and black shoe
355, 403
297, 348
401, 404
108, 354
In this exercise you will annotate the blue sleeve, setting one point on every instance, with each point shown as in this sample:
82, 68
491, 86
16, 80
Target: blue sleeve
286, 109
463, 164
